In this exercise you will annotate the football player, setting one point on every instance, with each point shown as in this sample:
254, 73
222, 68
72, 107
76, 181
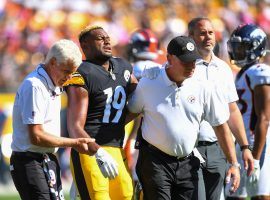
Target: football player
246, 46
97, 96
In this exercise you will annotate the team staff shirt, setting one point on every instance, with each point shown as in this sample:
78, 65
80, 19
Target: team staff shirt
37, 101
172, 115
107, 93
220, 74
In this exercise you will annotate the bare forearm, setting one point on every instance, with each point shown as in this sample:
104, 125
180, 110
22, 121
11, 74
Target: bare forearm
44, 139
236, 125
79, 132
260, 138
226, 142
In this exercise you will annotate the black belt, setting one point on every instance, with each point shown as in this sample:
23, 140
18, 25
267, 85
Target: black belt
28, 154
157, 150
206, 143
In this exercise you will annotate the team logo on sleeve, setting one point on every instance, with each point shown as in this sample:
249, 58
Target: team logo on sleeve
191, 99
126, 75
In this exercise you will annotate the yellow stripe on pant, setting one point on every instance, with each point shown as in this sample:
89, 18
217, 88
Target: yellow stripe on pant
90, 182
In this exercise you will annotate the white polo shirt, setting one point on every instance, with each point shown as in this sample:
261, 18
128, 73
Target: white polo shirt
37, 102
172, 114
220, 74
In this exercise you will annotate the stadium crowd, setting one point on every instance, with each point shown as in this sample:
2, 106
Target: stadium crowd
28, 28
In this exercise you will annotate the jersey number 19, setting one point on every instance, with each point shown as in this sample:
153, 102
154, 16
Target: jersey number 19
113, 100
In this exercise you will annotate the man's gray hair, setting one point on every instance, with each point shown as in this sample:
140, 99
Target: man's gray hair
63, 51
192, 24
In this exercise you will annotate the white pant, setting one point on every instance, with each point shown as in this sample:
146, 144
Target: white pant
263, 186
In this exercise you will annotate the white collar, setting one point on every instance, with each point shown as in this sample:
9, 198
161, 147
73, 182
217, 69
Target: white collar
166, 79
45, 78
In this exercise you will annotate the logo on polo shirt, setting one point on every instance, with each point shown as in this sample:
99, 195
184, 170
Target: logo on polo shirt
191, 99
126, 75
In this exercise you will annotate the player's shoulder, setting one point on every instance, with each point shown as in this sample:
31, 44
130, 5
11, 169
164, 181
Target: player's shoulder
121, 62
76, 79
85, 67
260, 69
258, 74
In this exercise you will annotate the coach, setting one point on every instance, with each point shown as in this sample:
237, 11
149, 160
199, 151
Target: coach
173, 105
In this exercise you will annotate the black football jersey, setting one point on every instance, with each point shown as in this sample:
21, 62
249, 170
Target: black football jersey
108, 92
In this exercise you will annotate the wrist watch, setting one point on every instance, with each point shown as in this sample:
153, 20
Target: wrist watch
247, 146
237, 165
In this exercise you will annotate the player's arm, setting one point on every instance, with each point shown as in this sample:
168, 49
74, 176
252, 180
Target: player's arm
236, 125
76, 117
76, 114
262, 109
133, 84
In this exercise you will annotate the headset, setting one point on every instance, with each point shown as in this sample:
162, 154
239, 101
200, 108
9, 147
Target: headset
53, 93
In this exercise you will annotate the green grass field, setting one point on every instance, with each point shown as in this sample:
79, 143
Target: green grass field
16, 197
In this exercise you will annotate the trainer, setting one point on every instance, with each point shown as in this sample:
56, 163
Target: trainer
36, 125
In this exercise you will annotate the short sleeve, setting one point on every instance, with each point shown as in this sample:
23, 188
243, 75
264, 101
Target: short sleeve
259, 76
231, 89
135, 101
216, 109
33, 104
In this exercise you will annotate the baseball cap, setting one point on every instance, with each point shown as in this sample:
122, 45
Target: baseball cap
184, 48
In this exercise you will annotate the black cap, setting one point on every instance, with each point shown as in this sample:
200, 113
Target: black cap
184, 48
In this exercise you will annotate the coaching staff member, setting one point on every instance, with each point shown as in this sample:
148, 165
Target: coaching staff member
210, 67
96, 108
173, 105
36, 125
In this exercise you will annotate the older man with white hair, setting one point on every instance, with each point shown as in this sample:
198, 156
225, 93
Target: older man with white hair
36, 125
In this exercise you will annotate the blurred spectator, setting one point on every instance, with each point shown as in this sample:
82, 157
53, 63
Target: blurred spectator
28, 28
4, 169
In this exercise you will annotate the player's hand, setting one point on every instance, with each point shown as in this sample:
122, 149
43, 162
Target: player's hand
107, 165
233, 177
248, 161
151, 72
254, 177
81, 144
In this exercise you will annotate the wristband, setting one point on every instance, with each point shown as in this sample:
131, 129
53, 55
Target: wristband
237, 165
245, 147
